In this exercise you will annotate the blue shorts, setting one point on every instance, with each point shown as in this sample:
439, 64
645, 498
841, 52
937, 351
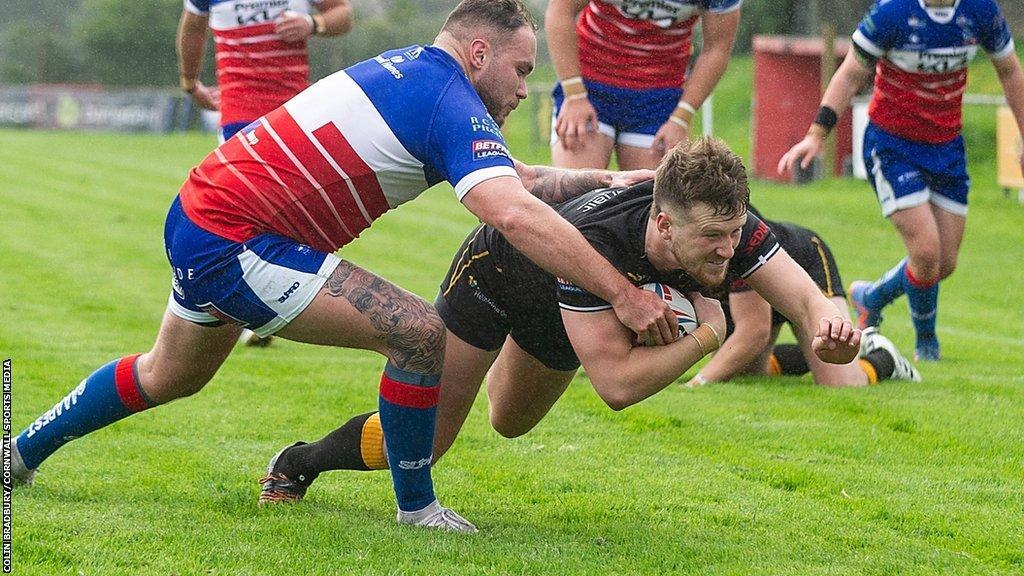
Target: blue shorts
905, 173
262, 284
630, 117
229, 130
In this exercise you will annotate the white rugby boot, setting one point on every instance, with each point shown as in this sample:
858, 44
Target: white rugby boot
436, 516
254, 340
871, 340
20, 474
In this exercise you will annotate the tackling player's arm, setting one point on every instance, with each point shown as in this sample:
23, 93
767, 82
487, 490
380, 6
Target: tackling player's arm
191, 42
719, 30
623, 373
1012, 78
577, 115
752, 332
334, 18
555, 185
537, 231
856, 70
788, 288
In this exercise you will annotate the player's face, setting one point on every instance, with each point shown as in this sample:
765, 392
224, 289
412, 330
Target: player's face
703, 242
501, 82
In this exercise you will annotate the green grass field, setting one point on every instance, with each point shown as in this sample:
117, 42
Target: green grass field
758, 476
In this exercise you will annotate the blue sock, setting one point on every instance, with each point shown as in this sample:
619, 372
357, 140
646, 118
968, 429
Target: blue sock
106, 396
408, 405
924, 303
887, 288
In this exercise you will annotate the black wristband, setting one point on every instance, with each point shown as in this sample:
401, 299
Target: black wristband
826, 118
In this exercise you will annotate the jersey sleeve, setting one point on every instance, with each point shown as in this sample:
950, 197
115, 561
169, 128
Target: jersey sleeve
994, 32
876, 32
757, 246
577, 299
724, 6
466, 145
199, 7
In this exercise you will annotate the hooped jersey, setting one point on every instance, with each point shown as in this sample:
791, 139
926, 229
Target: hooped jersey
614, 221
256, 70
640, 44
923, 54
324, 166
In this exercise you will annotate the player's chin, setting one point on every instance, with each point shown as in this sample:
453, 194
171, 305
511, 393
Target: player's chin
712, 274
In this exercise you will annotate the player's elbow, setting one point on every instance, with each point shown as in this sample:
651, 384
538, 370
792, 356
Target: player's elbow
512, 222
614, 392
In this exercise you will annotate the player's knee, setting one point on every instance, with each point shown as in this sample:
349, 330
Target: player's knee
926, 265
507, 425
948, 266
165, 384
417, 342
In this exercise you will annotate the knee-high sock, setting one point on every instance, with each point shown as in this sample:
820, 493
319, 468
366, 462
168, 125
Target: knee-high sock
924, 303
408, 406
356, 445
106, 396
887, 288
788, 360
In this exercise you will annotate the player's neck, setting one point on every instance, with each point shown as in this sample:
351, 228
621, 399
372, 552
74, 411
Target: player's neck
445, 41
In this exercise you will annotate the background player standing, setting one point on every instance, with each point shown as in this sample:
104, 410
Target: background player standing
621, 66
260, 49
918, 52
251, 235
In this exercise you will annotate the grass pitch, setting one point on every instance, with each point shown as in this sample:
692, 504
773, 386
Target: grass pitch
758, 476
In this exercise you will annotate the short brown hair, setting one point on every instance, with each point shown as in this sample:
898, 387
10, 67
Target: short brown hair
703, 171
500, 15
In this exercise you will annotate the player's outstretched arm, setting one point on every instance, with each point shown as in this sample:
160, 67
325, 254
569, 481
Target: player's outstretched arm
854, 72
623, 373
1012, 79
752, 332
788, 288
191, 43
556, 185
537, 231
719, 31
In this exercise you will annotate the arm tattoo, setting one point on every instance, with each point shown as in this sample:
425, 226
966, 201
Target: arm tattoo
411, 327
554, 185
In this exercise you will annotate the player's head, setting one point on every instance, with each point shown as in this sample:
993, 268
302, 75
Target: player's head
700, 206
497, 41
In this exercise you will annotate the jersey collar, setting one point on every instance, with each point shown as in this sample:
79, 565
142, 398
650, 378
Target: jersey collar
942, 15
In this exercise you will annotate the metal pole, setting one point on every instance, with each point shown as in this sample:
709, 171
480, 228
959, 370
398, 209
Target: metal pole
707, 116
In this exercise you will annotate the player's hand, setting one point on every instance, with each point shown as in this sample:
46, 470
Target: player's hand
806, 149
667, 137
576, 120
709, 311
629, 177
648, 316
293, 26
206, 97
837, 341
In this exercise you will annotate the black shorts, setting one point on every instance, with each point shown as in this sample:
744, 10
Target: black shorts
815, 257
482, 302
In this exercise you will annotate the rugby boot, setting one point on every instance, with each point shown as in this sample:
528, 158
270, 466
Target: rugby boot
436, 516
20, 473
927, 350
278, 488
866, 317
902, 368
254, 340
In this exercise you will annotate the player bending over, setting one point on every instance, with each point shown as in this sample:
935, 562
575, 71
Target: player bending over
528, 331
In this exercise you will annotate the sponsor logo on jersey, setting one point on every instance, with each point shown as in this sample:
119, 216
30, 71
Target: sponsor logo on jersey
414, 53
663, 13
484, 149
59, 408
389, 65
600, 199
248, 13
486, 124
757, 238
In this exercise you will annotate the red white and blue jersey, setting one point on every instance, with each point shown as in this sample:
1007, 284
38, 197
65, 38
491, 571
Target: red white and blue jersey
324, 166
923, 54
640, 44
256, 70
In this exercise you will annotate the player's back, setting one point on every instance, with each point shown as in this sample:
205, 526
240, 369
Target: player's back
322, 167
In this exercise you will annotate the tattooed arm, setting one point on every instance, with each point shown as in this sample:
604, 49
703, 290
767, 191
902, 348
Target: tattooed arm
555, 185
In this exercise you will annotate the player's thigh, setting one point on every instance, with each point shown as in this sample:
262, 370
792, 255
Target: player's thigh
596, 152
465, 367
184, 358
521, 390
356, 308
636, 157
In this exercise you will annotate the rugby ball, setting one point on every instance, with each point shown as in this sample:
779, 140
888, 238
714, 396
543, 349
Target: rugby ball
679, 303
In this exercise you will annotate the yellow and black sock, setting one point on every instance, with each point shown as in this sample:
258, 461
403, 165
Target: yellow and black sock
878, 365
357, 445
788, 360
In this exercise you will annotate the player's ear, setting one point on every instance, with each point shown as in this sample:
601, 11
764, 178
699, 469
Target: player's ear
479, 52
663, 223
